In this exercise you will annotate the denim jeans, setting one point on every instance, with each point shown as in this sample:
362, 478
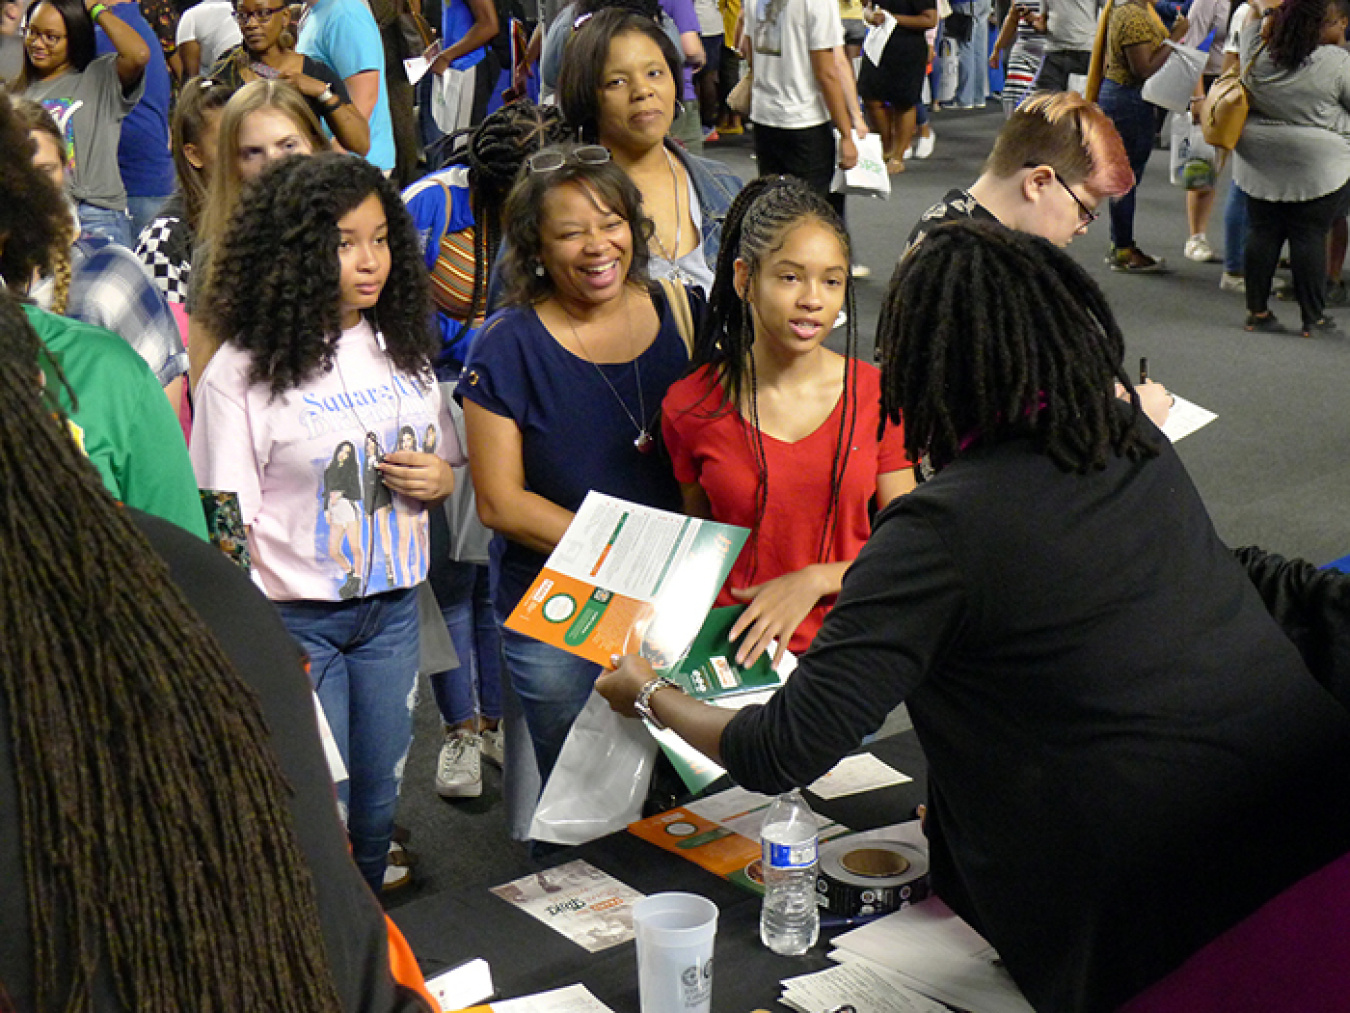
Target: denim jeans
1234, 229
363, 664
114, 225
973, 57
474, 688
1134, 119
143, 211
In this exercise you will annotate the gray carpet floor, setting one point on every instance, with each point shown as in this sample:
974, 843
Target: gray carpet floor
1272, 469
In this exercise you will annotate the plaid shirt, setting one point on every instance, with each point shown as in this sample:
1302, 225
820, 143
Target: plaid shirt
111, 288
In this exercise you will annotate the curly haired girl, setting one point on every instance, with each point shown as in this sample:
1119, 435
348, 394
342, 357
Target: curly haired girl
319, 294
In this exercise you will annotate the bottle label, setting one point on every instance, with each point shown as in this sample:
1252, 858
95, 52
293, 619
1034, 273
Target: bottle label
790, 856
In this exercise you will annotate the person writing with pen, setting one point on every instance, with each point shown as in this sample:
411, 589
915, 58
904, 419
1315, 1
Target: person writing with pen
1109, 712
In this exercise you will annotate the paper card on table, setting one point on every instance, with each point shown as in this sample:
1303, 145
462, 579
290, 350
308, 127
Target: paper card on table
628, 579
462, 985
570, 999
856, 985
1185, 418
855, 774
589, 907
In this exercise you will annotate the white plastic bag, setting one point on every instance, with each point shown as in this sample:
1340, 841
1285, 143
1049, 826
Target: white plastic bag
877, 37
447, 100
868, 178
1193, 162
600, 780
1174, 84
950, 63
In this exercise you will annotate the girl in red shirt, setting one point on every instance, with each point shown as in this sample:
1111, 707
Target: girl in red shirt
773, 431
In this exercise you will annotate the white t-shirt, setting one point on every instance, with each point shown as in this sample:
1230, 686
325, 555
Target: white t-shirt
785, 34
302, 466
211, 24
1240, 18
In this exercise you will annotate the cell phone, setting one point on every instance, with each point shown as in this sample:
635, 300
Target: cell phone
264, 71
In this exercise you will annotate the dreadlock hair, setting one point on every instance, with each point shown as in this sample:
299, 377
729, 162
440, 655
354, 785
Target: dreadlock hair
497, 149
608, 187
129, 727
990, 334
39, 121
35, 226
200, 98
274, 288
758, 223
1296, 31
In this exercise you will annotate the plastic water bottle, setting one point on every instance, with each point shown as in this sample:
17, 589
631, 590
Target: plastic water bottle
789, 922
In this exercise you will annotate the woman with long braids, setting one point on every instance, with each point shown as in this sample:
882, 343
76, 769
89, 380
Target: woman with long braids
772, 430
1293, 159
1109, 712
182, 699
561, 396
458, 214
318, 291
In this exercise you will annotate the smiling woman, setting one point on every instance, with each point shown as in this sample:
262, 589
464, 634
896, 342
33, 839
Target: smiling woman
561, 396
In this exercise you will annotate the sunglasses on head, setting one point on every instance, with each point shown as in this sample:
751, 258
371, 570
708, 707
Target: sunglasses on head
551, 160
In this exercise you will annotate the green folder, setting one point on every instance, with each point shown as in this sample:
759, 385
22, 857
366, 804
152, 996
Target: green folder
708, 669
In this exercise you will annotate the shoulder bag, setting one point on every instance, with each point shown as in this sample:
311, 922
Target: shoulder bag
1224, 112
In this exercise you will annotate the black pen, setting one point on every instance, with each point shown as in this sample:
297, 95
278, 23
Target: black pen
1143, 369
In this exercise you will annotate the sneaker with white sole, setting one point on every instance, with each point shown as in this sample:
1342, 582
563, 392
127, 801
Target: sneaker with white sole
396, 877
1198, 249
459, 772
494, 746
923, 146
1231, 282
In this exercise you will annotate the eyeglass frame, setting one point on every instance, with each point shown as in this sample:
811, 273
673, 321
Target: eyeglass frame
586, 154
50, 38
1086, 216
263, 17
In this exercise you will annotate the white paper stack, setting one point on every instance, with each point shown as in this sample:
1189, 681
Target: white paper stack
857, 985
929, 949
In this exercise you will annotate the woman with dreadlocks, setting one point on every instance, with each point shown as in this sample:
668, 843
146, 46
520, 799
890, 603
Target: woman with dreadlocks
317, 288
772, 430
160, 683
1109, 712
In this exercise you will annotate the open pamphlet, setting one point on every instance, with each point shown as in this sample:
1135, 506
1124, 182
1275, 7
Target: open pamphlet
588, 906
628, 579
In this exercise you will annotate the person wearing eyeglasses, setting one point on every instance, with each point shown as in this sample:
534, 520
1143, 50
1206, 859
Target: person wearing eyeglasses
205, 32
562, 395
88, 96
267, 52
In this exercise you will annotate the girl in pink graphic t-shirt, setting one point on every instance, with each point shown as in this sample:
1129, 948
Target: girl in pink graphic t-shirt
319, 291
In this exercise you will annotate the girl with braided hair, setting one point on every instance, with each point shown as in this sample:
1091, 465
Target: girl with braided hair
772, 430
141, 703
458, 215
320, 295
1109, 712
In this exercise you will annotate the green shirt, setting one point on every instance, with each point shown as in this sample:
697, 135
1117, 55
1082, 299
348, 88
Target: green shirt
124, 423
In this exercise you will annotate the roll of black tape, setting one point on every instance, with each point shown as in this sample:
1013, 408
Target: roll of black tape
870, 877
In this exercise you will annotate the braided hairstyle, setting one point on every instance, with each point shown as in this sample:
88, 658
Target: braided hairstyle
990, 334
1297, 31
758, 223
35, 226
497, 149
274, 288
129, 728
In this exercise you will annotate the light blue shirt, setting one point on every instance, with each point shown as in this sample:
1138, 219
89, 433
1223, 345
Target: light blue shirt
343, 35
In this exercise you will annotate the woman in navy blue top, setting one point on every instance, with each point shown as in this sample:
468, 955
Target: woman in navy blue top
561, 396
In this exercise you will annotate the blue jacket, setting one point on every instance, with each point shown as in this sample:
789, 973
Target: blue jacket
716, 186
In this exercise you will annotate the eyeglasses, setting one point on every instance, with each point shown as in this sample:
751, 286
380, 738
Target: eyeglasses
246, 18
1086, 216
552, 159
38, 35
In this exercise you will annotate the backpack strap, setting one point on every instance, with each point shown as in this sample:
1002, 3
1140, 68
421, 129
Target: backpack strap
677, 298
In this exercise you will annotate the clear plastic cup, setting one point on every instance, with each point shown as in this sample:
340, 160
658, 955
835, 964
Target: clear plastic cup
675, 933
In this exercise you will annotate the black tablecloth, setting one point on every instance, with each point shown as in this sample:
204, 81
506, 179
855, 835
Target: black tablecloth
526, 956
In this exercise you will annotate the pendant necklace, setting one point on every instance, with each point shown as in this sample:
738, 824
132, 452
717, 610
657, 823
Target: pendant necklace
676, 271
644, 441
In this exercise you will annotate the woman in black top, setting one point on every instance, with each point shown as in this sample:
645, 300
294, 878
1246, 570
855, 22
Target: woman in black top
268, 51
1127, 755
892, 90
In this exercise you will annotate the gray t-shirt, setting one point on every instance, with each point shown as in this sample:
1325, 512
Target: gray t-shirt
11, 57
1070, 24
89, 107
1296, 143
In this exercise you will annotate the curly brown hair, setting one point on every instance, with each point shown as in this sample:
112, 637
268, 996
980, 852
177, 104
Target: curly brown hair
274, 288
35, 226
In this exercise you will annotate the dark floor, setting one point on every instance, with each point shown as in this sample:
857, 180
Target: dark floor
1273, 468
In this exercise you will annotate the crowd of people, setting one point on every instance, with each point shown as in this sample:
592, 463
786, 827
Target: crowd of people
376, 334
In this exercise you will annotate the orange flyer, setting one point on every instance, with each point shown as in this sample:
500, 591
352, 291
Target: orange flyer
710, 845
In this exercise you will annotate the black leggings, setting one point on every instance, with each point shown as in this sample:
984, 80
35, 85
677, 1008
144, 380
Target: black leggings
1304, 225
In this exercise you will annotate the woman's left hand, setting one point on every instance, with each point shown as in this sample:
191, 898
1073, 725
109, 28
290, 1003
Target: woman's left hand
621, 686
777, 607
420, 475
310, 87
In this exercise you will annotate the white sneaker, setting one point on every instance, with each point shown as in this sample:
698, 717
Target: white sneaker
459, 773
396, 877
1232, 283
923, 146
494, 746
1198, 249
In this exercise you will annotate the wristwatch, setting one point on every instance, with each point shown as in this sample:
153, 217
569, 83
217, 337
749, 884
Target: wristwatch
643, 704
328, 96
